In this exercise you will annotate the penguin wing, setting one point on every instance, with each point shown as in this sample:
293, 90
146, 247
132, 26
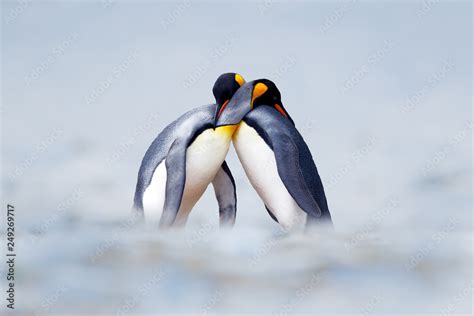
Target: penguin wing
294, 161
287, 156
224, 188
175, 180
172, 139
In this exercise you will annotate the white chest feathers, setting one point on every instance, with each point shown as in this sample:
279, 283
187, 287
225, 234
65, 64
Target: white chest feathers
258, 161
204, 157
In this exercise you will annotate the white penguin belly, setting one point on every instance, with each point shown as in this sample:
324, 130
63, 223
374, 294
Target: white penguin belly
258, 161
154, 195
204, 157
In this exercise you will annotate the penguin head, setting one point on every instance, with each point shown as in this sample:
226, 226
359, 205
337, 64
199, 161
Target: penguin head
224, 88
261, 92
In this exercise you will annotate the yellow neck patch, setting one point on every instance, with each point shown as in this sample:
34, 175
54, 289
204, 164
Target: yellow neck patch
227, 130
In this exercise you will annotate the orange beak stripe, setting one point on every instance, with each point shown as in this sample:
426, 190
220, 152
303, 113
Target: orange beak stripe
222, 108
280, 109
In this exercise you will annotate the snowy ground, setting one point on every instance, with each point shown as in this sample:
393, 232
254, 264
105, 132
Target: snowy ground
382, 94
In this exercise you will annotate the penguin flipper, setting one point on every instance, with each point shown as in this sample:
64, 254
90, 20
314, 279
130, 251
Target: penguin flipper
224, 188
287, 158
175, 180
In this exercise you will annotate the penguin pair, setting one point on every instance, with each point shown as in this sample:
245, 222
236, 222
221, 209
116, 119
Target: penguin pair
190, 153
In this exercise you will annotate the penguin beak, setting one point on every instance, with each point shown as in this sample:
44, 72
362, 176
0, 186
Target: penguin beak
233, 112
216, 115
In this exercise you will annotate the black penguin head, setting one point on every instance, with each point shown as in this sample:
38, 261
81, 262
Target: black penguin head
261, 92
224, 88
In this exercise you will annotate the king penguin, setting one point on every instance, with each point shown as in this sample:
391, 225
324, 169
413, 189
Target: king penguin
274, 156
184, 158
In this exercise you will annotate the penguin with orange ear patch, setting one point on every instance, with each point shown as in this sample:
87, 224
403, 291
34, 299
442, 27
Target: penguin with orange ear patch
274, 155
184, 159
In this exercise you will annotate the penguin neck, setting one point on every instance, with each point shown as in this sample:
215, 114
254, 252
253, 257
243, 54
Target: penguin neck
227, 130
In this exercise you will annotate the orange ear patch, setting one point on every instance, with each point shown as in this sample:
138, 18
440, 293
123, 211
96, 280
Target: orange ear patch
280, 109
240, 80
258, 90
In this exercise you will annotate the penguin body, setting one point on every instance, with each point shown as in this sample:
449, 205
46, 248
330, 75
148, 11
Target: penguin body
280, 167
184, 158
259, 163
274, 155
179, 165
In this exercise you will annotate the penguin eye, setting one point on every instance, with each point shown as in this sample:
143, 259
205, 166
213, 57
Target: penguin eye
258, 91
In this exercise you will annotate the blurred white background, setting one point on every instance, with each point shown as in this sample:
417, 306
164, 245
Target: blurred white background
381, 91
